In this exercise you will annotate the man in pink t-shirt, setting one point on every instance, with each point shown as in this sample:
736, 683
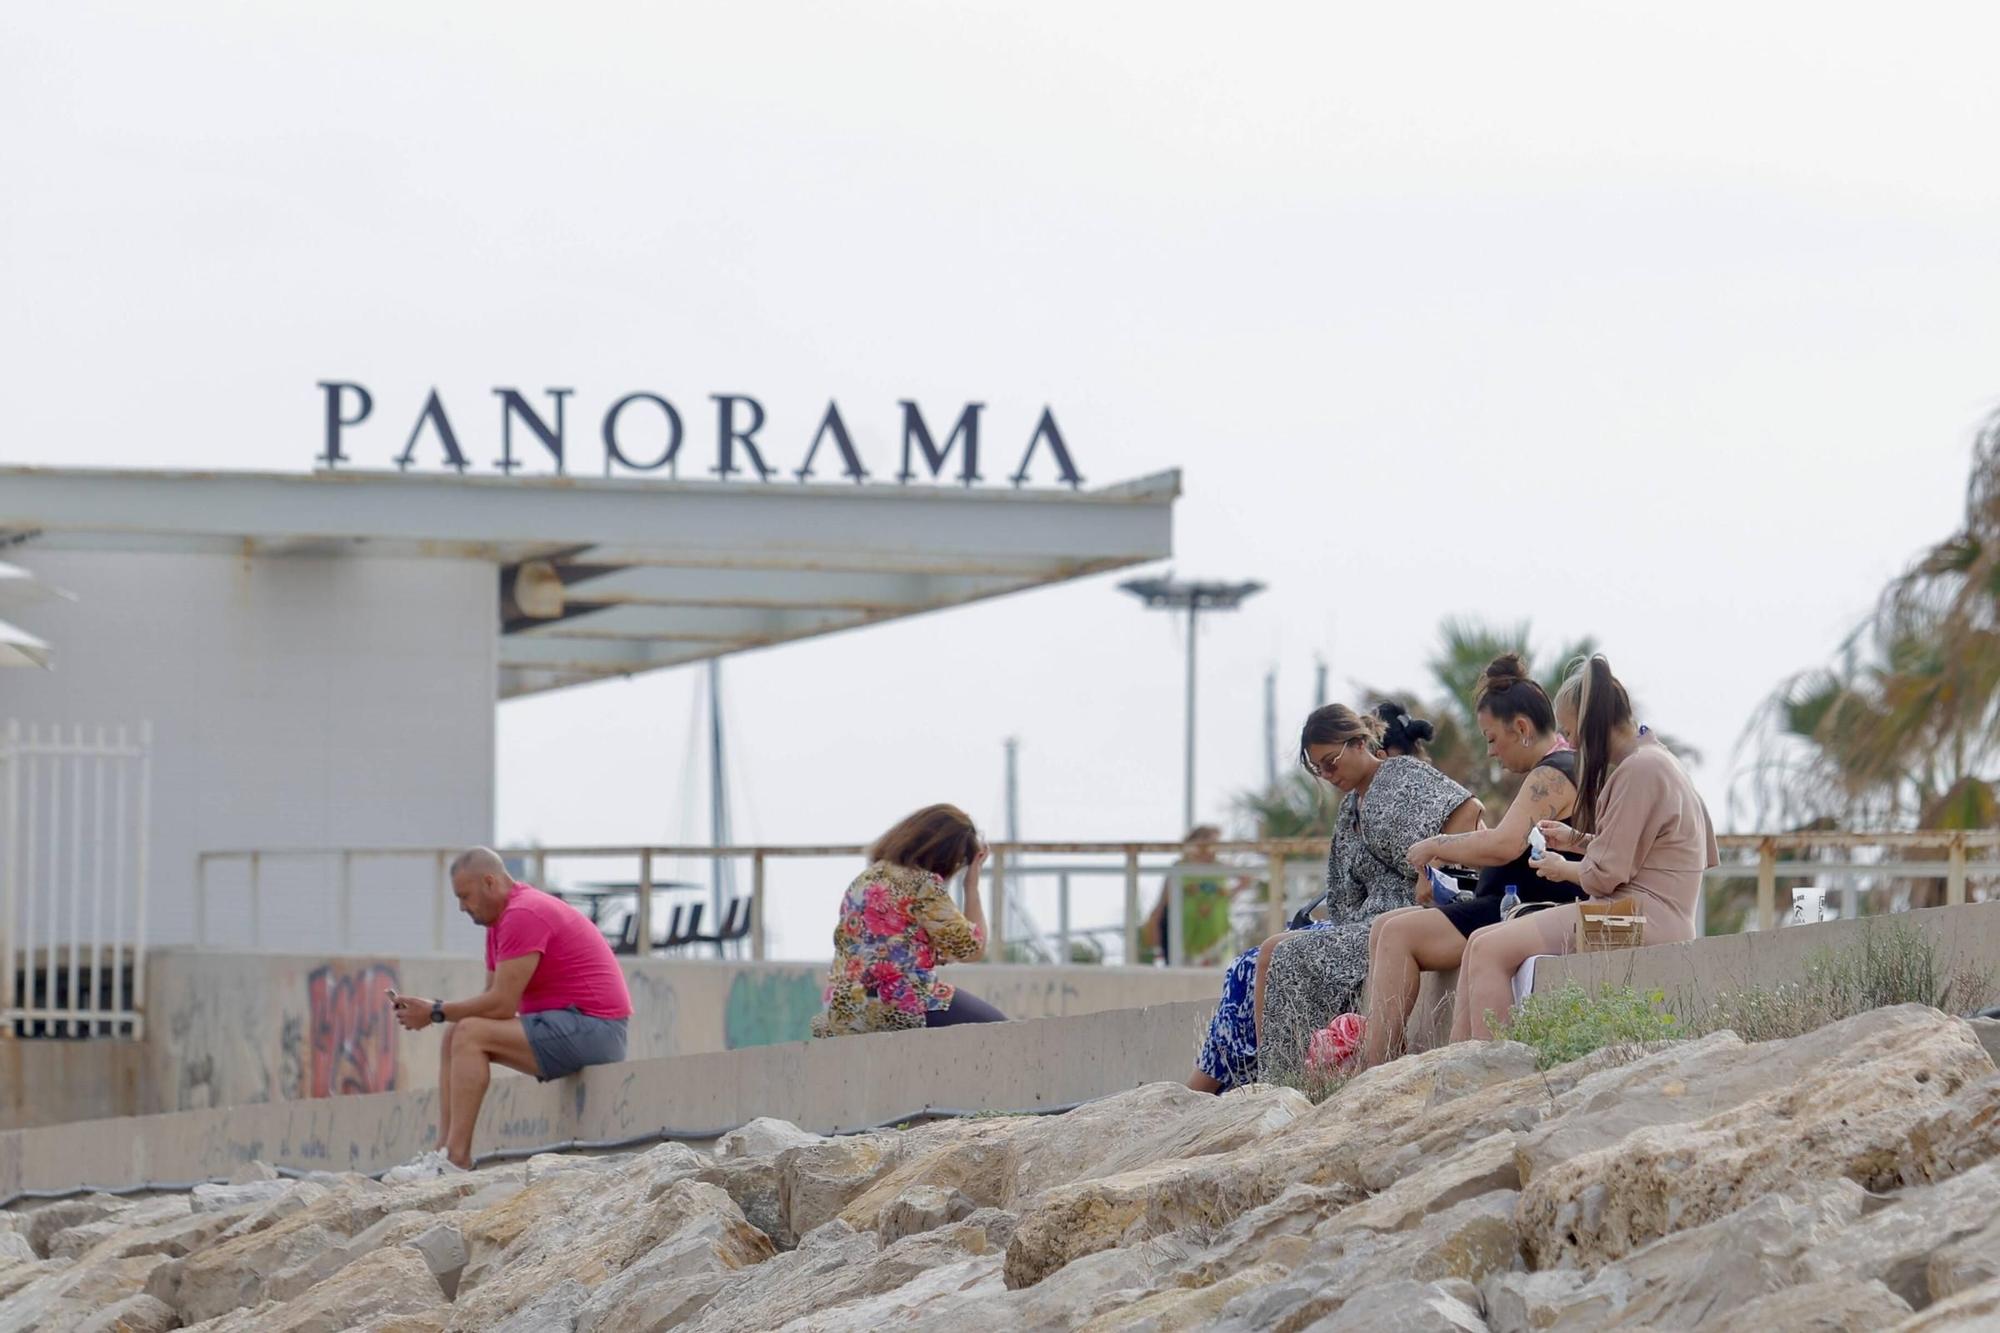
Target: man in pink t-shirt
555, 1001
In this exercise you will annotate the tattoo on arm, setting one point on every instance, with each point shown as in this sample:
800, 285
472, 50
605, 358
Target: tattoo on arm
1447, 841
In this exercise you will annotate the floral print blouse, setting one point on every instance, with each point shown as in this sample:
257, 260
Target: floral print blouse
897, 926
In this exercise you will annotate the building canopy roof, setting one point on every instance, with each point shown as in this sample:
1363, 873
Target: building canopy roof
610, 578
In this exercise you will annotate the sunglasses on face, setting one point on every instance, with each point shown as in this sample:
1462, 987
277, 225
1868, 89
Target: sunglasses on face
1325, 766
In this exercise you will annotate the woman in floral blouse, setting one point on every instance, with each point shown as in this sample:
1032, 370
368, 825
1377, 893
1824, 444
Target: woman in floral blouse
898, 925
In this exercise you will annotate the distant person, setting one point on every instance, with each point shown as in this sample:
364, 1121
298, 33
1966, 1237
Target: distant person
555, 1002
1641, 829
1519, 724
1205, 901
1388, 802
898, 925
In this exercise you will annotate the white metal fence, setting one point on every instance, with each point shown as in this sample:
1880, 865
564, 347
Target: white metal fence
74, 811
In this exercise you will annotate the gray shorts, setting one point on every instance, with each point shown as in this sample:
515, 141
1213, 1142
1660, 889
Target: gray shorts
565, 1040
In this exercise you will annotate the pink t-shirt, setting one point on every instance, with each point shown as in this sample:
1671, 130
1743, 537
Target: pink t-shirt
577, 966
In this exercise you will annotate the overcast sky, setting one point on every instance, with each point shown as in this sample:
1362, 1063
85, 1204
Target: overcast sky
1667, 324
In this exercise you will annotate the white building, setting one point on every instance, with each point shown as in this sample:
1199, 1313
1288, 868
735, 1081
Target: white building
319, 656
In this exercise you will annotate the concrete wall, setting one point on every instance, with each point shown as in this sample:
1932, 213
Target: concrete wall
237, 1028
297, 700
48, 1082
1699, 969
826, 1086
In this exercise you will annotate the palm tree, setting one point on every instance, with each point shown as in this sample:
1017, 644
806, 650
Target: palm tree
1903, 730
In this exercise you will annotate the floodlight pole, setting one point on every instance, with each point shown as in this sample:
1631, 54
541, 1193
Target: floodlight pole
1187, 771
1195, 597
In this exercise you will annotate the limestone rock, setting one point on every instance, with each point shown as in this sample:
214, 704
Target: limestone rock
766, 1137
226, 1198
1404, 1306
134, 1314
1840, 1305
1683, 1279
554, 1311
1896, 1244
1466, 1243
316, 1268
835, 1267
251, 1171
443, 1250
232, 1273
14, 1248
1974, 1311
601, 1238
818, 1180
43, 1223
920, 1208
998, 1224
1858, 1110
1971, 1261
389, 1282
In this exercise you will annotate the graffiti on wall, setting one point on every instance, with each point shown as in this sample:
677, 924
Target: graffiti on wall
353, 1033
774, 1007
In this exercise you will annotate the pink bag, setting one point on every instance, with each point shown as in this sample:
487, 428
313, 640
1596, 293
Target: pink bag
1333, 1048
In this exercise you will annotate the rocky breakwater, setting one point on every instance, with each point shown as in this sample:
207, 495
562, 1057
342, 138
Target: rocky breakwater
1847, 1179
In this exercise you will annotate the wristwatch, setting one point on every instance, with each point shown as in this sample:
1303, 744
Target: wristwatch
437, 1012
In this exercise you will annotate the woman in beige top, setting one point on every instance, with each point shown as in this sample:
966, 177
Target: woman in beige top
1651, 840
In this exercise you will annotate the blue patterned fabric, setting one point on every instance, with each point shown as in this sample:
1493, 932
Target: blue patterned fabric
1229, 1053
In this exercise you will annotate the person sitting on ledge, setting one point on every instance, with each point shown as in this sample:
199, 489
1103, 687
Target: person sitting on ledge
1641, 829
555, 1002
898, 926
1519, 724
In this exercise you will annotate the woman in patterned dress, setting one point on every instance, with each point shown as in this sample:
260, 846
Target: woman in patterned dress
898, 925
1388, 802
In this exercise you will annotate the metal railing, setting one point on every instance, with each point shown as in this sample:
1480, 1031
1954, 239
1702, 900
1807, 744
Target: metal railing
1868, 866
1295, 864
74, 821
1008, 868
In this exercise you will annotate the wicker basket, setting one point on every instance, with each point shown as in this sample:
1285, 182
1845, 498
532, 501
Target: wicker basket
1609, 925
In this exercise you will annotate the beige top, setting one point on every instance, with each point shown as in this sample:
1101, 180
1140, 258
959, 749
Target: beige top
1654, 840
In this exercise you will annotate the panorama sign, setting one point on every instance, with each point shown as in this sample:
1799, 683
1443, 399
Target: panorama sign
643, 432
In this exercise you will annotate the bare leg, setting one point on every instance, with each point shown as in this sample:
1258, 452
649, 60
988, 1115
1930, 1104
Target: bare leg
1201, 1082
1376, 927
481, 1042
1495, 954
1407, 946
444, 1086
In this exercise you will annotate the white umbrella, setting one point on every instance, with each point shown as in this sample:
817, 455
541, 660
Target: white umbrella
18, 587
18, 648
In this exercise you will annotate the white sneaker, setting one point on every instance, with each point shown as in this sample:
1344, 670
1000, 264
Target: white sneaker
429, 1166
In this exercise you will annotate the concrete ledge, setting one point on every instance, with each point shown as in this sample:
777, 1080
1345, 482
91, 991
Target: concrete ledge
828, 1086
1698, 970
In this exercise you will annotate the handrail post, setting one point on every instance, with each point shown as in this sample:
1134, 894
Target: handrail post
996, 916
440, 894
757, 906
642, 943
346, 901
1131, 908
10, 856
1062, 919
1274, 910
1954, 879
257, 905
1176, 915
1767, 885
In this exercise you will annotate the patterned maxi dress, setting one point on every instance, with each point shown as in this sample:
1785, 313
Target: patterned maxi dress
1317, 974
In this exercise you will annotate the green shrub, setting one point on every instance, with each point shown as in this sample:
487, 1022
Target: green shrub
1893, 963
1569, 1023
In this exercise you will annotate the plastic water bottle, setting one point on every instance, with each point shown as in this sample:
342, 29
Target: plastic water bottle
1509, 902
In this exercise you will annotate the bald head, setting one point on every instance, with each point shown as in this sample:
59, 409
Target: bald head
478, 861
481, 883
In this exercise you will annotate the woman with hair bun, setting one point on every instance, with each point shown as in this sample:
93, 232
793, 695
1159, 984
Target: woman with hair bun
1388, 802
1519, 724
1640, 828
